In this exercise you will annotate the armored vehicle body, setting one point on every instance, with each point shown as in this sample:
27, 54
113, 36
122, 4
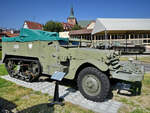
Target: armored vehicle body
35, 52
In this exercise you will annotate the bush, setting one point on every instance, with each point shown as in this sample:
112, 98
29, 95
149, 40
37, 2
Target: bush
76, 27
53, 26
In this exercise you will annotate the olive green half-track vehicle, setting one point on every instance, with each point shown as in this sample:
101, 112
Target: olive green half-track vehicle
36, 52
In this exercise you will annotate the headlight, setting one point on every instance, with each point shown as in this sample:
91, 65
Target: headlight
108, 56
116, 53
130, 59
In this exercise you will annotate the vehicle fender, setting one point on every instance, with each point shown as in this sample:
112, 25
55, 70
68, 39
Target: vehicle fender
98, 64
77, 64
4, 58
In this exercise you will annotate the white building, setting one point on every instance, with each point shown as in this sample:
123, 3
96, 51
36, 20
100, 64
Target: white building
135, 31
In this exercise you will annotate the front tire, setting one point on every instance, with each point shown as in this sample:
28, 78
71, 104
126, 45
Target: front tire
93, 84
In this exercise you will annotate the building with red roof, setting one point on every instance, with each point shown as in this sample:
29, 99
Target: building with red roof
67, 26
32, 25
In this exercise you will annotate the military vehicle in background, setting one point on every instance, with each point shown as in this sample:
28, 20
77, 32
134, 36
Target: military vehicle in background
124, 48
127, 48
36, 52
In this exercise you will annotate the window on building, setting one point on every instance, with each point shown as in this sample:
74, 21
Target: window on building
148, 35
96, 37
122, 36
79, 37
92, 37
132, 36
108, 37
140, 36
145, 35
100, 37
136, 36
148, 41
116, 36
88, 37
103, 37
82, 36
112, 36
144, 41
119, 37
127, 36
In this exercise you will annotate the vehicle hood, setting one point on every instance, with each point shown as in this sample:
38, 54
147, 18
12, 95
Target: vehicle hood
90, 53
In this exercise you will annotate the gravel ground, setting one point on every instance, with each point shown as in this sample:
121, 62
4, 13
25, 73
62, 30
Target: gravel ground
70, 95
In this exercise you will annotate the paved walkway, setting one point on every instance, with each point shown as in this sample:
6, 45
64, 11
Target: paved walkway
70, 95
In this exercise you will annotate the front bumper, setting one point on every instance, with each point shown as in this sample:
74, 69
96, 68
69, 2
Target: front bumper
133, 75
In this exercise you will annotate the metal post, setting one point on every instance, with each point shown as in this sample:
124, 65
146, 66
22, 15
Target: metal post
91, 40
81, 41
56, 93
56, 99
126, 43
106, 39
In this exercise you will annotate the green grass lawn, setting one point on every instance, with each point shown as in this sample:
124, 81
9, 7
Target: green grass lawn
17, 98
29, 101
3, 70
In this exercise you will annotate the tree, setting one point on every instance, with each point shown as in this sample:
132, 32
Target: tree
76, 27
53, 26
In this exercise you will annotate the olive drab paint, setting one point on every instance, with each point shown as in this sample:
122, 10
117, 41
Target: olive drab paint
57, 54
55, 57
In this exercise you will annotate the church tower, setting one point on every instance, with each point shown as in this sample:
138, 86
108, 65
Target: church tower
71, 19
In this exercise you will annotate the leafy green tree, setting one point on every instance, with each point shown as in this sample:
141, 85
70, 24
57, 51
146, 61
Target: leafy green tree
76, 27
53, 26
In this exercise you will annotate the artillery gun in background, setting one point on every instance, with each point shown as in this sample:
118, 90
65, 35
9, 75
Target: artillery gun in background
36, 52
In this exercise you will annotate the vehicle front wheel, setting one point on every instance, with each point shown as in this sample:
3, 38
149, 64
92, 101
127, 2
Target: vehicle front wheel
93, 84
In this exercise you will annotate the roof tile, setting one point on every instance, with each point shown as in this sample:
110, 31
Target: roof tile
34, 25
79, 32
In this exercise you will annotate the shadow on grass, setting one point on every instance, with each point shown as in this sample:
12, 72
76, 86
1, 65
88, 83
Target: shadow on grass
6, 106
40, 108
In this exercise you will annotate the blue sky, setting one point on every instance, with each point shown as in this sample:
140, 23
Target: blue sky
14, 12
